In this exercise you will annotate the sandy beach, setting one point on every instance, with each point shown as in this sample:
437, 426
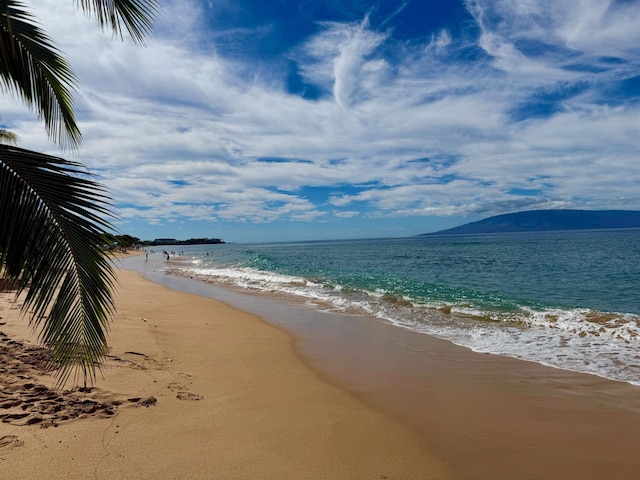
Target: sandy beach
233, 400
196, 389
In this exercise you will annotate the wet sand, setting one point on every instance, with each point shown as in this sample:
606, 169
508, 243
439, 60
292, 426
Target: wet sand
310, 395
486, 416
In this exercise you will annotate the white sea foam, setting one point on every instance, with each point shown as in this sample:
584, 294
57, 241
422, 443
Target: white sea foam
570, 341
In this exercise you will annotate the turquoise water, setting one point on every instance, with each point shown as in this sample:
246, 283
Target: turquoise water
565, 299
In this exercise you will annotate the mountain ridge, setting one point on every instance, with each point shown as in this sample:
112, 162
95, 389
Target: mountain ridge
547, 220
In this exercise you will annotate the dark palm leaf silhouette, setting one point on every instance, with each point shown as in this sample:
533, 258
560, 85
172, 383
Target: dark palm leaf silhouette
53, 216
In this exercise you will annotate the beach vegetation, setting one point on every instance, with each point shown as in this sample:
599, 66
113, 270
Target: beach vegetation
122, 241
54, 216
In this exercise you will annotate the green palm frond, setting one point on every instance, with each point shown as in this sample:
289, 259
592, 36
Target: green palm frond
52, 217
32, 67
52, 227
135, 15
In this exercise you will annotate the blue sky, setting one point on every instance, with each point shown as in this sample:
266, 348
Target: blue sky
293, 120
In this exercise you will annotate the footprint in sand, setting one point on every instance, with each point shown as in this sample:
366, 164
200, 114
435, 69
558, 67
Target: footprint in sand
175, 387
183, 392
23, 401
143, 402
143, 361
10, 441
185, 395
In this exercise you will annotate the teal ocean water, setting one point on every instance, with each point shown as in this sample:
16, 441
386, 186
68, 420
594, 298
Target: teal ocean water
569, 299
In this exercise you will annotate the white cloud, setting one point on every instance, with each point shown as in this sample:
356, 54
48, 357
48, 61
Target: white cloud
603, 27
176, 110
439, 42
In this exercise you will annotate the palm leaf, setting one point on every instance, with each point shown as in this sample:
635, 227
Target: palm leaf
135, 15
32, 68
52, 228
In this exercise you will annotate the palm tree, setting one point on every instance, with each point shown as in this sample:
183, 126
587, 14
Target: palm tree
53, 215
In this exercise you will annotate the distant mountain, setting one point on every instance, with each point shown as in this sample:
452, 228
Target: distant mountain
548, 220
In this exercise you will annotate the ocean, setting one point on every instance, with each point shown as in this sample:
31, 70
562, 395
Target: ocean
564, 299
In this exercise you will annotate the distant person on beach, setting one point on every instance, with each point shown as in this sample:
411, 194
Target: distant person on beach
146, 256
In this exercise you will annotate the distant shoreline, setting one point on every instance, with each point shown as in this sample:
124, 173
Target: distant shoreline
173, 242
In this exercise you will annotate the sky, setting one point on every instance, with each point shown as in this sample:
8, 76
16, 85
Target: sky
281, 120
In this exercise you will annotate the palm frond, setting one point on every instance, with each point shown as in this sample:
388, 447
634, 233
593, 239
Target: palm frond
137, 16
32, 67
52, 226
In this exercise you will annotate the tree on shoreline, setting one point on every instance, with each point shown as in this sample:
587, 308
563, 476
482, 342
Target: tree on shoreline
8, 137
53, 216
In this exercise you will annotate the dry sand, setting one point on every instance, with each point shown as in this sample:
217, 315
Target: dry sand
194, 389
232, 401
